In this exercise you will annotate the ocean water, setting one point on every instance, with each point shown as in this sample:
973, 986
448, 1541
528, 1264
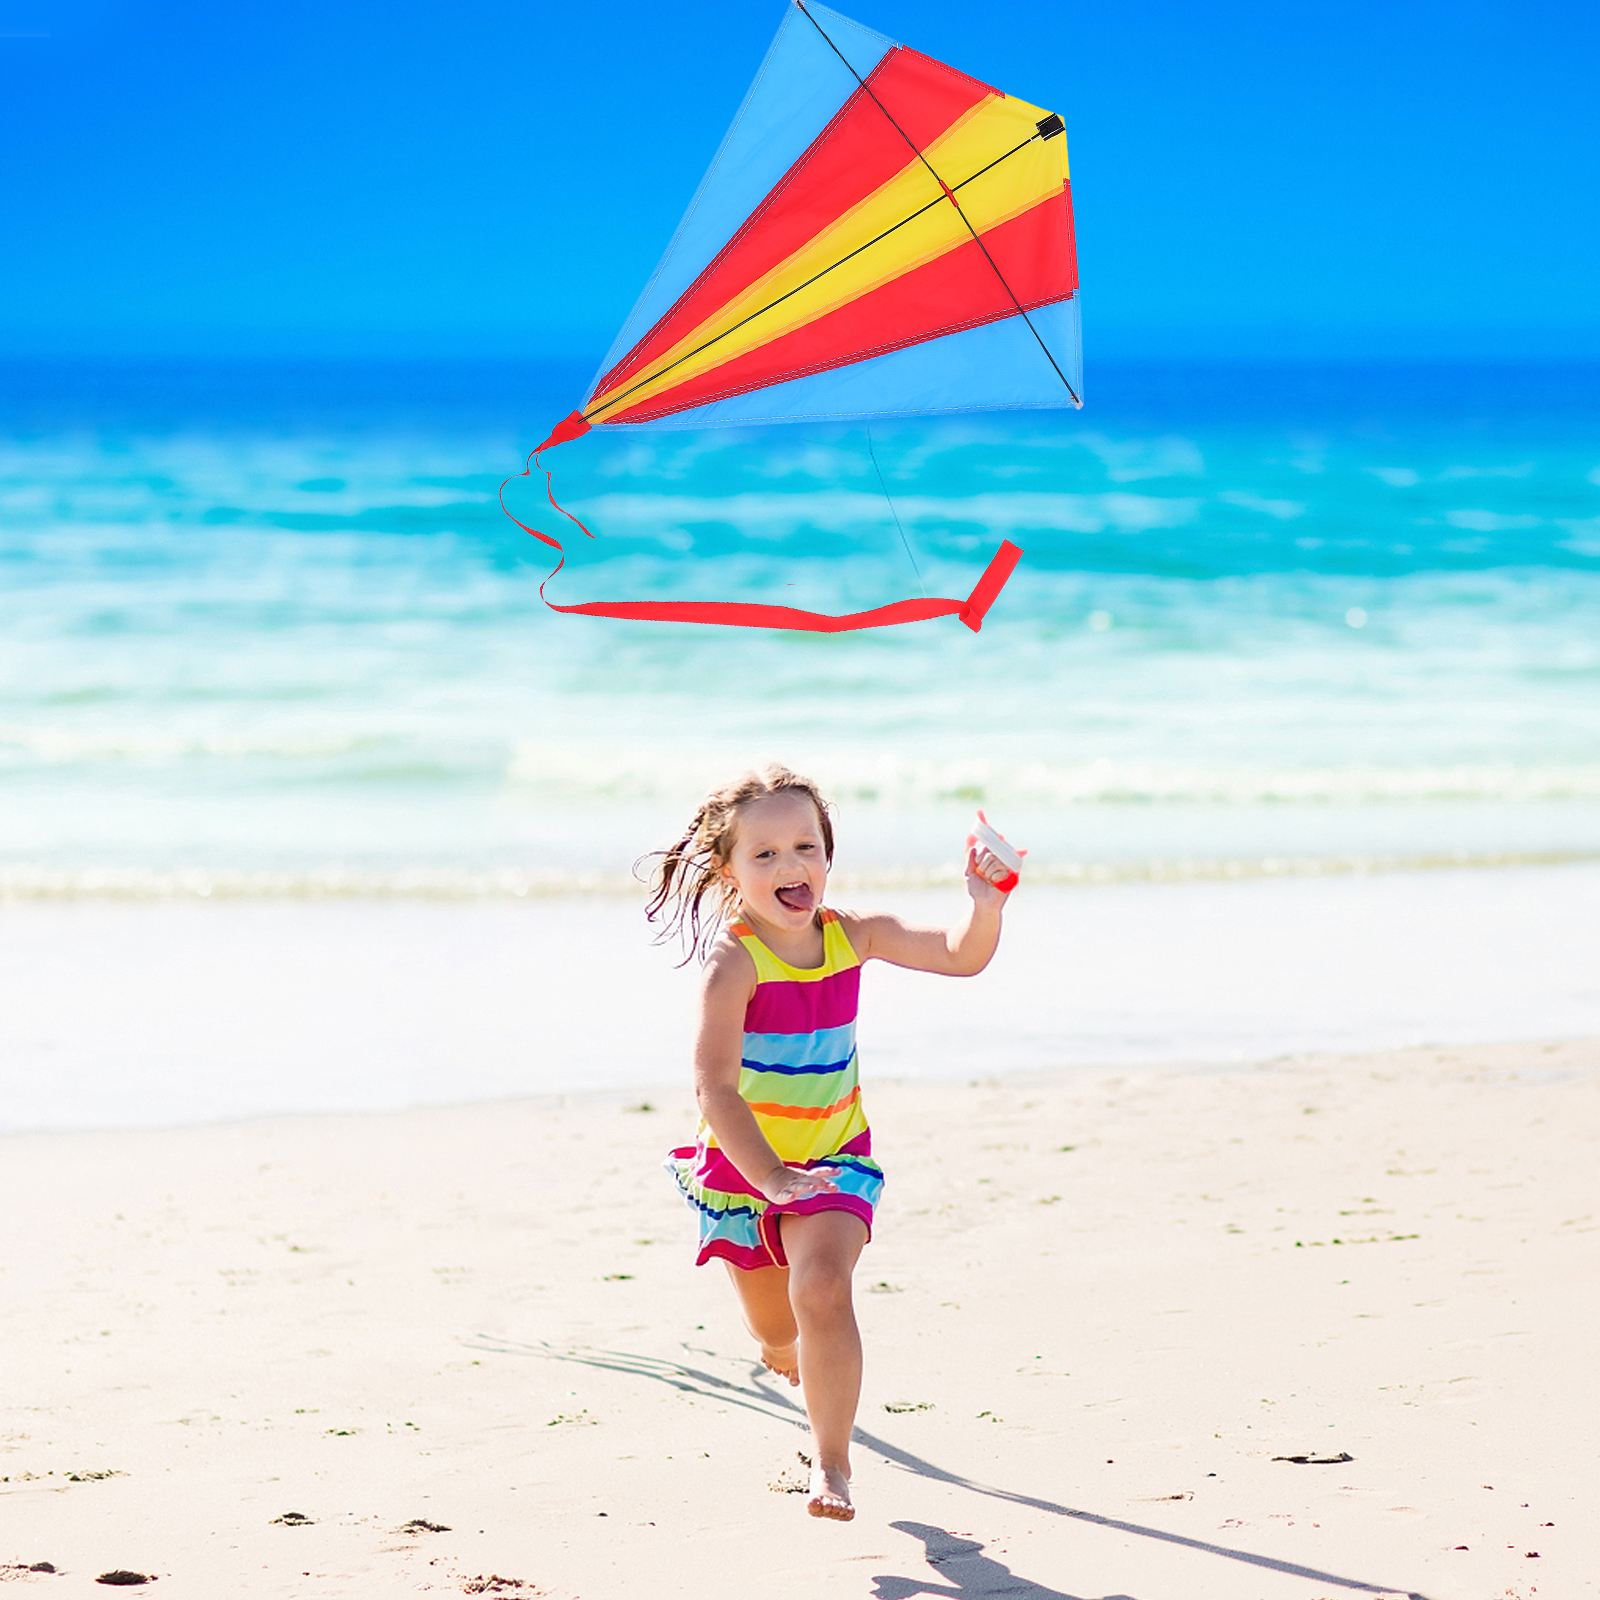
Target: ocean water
265, 633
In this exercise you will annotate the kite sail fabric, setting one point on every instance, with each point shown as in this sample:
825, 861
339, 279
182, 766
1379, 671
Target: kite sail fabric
879, 235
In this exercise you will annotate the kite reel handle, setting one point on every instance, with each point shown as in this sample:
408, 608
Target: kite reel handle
982, 834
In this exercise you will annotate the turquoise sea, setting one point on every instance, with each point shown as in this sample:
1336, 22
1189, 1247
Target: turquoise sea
264, 632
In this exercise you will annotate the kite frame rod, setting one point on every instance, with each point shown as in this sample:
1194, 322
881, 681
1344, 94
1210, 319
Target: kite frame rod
617, 399
977, 238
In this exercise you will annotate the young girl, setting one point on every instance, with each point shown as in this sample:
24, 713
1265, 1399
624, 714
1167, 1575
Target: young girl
781, 1173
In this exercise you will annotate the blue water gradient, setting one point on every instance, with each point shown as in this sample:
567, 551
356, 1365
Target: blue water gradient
264, 630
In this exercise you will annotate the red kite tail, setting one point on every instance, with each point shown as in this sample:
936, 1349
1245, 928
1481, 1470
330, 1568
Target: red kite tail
752, 614
573, 426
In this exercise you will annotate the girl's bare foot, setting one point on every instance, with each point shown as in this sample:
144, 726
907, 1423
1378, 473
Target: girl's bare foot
784, 1359
830, 1494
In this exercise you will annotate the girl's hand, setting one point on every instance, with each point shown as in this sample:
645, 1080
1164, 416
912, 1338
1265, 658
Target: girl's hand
984, 870
784, 1184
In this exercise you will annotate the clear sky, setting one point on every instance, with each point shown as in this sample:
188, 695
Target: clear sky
1411, 176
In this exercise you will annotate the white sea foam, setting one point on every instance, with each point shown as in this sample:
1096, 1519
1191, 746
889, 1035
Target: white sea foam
1411, 477
816, 463
1523, 469
1279, 510
666, 457
572, 771
1130, 460
422, 883
846, 509
950, 438
1583, 535
71, 746
1477, 521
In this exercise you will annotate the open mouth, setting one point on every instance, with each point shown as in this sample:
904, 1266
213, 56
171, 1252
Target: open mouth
796, 896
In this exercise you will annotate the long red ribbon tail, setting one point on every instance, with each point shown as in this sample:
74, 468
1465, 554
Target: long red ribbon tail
745, 613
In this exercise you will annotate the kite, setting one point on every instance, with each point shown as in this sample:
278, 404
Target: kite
879, 234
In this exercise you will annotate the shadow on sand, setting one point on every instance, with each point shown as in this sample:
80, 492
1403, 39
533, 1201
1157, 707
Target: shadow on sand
975, 1576
967, 1573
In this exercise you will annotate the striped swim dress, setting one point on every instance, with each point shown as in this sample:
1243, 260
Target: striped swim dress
799, 1076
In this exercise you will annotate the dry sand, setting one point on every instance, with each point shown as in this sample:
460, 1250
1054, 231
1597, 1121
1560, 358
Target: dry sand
463, 1351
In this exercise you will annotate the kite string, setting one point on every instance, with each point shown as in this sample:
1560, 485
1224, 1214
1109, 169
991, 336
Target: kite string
910, 554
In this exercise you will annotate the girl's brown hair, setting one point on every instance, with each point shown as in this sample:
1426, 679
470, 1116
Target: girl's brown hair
692, 868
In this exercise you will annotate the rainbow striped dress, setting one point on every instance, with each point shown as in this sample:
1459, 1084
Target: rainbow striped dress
799, 1076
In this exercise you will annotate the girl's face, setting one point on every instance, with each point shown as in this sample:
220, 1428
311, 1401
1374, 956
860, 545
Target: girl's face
778, 860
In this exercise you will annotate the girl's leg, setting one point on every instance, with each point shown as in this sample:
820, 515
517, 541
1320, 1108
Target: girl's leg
764, 1299
823, 1249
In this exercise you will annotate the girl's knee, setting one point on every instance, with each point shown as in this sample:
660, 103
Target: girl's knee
765, 1306
821, 1289
773, 1325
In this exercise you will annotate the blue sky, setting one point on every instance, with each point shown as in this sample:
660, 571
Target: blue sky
1412, 177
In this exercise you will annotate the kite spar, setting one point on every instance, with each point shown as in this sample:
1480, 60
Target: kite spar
879, 235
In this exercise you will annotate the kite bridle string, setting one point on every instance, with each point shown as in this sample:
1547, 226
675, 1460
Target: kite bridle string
949, 194
910, 554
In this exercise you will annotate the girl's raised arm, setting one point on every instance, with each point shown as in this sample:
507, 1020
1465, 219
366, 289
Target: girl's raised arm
718, 1053
958, 952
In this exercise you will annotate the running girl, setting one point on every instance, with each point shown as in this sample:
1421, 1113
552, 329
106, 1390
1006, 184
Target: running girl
781, 1173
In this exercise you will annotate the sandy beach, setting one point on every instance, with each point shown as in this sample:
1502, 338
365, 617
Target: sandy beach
1240, 1234
1313, 1327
